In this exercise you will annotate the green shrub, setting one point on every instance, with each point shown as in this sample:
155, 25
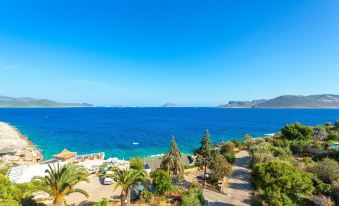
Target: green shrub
103, 202
262, 147
280, 183
136, 163
326, 169
194, 196
147, 195
230, 157
220, 167
162, 181
321, 187
282, 152
261, 157
228, 147
297, 131
237, 143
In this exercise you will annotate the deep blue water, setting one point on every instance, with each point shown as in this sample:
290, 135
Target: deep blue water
113, 130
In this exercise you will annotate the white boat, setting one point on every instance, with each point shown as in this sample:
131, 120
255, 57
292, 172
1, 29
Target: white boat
135, 143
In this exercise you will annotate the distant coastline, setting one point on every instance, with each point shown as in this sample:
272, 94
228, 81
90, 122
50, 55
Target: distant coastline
321, 101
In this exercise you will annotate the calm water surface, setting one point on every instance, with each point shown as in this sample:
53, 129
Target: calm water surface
113, 130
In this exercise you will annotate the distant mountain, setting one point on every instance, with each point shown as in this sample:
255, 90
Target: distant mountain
27, 102
170, 105
243, 104
289, 101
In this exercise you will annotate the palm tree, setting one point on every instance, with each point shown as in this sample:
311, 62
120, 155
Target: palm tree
126, 179
60, 181
171, 162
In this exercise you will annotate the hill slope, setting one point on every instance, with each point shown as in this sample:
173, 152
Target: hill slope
27, 102
290, 101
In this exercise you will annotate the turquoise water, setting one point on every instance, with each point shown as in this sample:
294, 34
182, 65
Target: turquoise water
113, 130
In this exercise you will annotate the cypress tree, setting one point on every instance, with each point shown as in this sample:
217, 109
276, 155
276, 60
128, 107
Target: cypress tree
204, 153
171, 162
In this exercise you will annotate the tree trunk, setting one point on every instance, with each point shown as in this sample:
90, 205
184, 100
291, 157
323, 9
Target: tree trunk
58, 203
205, 169
125, 197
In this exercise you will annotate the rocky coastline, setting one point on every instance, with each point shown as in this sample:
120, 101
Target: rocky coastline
16, 148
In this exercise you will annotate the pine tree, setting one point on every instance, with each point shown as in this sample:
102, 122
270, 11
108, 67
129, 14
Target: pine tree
204, 153
172, 161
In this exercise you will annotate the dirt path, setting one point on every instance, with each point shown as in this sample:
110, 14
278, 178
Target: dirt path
239, 190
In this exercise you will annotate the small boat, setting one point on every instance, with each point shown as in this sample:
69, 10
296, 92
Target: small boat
135, 143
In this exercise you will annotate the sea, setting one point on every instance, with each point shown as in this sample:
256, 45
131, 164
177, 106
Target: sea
145, 132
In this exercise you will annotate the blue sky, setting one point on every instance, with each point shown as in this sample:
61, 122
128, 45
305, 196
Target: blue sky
147, 53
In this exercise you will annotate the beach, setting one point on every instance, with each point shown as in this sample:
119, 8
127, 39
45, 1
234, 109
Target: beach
16, 148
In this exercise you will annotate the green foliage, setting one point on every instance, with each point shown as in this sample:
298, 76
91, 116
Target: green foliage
103, 202
171, 162
261, 157
261, 152
297, 131
220, 167
321, 187
248, 140
262, 147
9, 194
230, 157
228, 147
60, 181
162, 181
228, 150
147, 195
136, 163
204, 153
125, 179
278, 141
332, 154
326, 169
194, 196
299, 146
282, 152
19, 194
280, 183
237, 143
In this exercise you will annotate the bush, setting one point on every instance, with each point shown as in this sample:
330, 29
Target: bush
136, 163
162, 181
299, 146
220, 167
237, 143
194, 196
282, 152
262, 147
228, 151
327, 170
321, 187
261, 157
280, 183
230, 157
147, 195
228, 147
103, 202
297, 131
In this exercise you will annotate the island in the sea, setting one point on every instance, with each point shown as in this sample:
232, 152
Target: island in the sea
289, 101
171, 105
28, 102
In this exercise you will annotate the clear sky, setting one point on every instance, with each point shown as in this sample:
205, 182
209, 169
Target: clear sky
147, 53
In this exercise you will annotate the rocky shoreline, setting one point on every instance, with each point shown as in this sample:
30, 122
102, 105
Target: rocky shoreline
16, 148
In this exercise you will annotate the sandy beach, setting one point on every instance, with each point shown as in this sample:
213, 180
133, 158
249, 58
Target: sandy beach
15, 147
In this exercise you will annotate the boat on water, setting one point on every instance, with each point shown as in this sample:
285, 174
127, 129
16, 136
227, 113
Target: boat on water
135, 143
